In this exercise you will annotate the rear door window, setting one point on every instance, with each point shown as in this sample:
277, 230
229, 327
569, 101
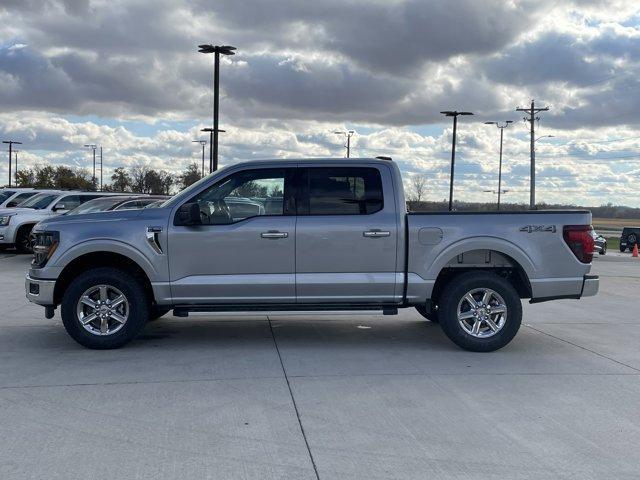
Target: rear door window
342, 191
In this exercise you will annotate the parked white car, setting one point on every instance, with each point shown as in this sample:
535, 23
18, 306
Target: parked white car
16, 223
12, 197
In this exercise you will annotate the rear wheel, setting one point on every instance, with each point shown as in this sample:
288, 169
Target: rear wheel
431, 314
480, 311
104, 308
604, 249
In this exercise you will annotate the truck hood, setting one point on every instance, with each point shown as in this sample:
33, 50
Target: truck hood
15, 210
109, 216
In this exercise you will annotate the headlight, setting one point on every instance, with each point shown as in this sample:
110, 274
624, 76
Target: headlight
4, 220
44, 245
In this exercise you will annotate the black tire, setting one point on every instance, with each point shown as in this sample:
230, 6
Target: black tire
432, 315
453, 294
156, 312
622, 249
604, 249
138, 312
23, 239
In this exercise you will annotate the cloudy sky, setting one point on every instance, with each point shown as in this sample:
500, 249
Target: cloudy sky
125, 74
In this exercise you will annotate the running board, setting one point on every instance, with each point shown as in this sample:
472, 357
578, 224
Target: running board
184, 310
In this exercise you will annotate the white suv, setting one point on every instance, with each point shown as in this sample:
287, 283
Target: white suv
16, 223
12, 197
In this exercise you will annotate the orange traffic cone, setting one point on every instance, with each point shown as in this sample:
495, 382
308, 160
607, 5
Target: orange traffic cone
635, 250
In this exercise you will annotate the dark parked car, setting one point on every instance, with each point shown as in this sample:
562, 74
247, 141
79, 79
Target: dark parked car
599, 243
629, 238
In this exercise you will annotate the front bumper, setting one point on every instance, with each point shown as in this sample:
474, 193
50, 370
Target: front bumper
7, 235
590, 285
39, 291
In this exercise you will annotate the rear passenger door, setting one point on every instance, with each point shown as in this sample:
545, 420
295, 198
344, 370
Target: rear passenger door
346, 235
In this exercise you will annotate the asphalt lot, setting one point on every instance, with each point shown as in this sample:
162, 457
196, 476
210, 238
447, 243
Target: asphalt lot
367, 397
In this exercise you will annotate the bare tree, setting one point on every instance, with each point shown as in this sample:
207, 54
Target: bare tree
418, 187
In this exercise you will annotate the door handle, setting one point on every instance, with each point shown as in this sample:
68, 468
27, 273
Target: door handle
376, 233
274, 234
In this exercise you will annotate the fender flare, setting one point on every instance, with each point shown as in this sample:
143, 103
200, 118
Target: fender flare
108, 246
499, 245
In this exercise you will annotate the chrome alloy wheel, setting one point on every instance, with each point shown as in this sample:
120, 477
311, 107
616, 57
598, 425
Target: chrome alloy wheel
102, 310
482, 312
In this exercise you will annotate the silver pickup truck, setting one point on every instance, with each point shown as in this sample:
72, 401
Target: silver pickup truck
306, 235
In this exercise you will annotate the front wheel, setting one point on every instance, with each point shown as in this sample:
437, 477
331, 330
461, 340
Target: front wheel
23, 239
480, 311
104, 308
604, 249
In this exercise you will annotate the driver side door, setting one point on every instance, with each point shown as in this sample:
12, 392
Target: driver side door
244, 251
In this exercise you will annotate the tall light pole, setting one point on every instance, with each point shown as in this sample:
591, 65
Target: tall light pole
454, 114
217, 51
100, 168
93, 147
348, 134
213, 135
501, 127
203, 143
11, 144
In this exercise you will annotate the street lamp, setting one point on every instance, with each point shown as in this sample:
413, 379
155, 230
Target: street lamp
217, 51
544, 136
213, 143
501, 127
93, 147
348, 134
454, 114
11, 143
203, 143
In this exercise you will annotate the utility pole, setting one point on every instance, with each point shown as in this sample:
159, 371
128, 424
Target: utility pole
100, 168
15, 174
93, 147
11, 143
454, 114
531, 118
348, 134
501, 127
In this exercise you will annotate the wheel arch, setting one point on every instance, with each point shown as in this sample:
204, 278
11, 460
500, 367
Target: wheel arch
98, 259
511, 263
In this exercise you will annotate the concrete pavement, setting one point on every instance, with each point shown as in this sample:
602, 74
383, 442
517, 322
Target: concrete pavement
324, 396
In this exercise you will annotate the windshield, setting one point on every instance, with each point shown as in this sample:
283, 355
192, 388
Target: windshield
187, 192
21, 197
4, 194
40, 201
97, 205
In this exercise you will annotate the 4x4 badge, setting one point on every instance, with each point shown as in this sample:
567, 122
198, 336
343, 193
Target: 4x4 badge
538, 228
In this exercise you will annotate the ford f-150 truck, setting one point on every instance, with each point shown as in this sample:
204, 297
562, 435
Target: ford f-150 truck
306, 235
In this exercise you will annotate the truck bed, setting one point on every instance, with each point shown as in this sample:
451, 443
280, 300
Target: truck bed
530, 241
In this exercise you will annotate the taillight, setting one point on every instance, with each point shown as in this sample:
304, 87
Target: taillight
580, 241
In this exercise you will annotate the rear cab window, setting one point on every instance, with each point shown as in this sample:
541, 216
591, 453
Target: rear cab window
340, 191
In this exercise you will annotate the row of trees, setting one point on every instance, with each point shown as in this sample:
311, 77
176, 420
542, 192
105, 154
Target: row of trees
139, 179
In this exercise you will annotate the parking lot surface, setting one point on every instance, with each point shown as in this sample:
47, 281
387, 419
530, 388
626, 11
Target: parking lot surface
325, 396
